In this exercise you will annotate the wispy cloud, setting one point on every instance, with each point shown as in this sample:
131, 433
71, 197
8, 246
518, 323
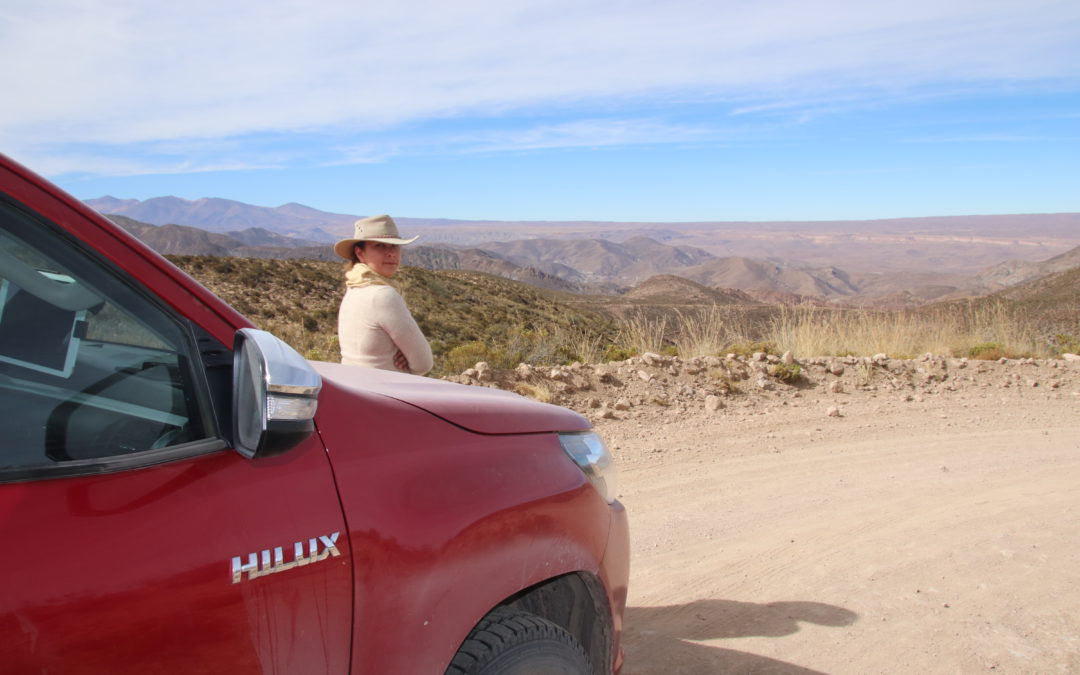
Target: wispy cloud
995, 138
125, 73
584, 133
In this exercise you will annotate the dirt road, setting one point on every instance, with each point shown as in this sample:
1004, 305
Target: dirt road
903, 536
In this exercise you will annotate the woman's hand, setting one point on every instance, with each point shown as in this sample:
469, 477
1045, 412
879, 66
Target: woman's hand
400, 362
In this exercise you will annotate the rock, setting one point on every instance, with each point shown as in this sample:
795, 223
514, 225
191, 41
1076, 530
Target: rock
593, 402
523, 370
759, 356
654, 359
483, 371
607, 414
788, 358
604, 374
836, 368
836, 387
713, 403
470, 373
622, 404
645, 377
1071, 357
833, 411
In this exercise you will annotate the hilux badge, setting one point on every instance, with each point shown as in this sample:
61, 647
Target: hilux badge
273, 560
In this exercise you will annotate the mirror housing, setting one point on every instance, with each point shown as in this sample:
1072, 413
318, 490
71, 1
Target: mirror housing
275, 395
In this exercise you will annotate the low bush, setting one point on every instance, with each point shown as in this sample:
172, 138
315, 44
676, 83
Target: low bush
615, 353
987, 351
786, 372
747, 349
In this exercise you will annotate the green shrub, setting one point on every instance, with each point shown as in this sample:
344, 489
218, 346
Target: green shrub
750, 348
467, 355
987, 351
1066, 344
616, 353
786, 372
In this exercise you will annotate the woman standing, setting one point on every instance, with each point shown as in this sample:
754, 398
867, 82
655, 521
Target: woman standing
375, 328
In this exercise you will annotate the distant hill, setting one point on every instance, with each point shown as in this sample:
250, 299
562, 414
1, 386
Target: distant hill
673, 290
250, 243
747, 274
439, 258
1060, 290
1013, 272
582, 261
1050, 304
619, 257
930, 245
225, 215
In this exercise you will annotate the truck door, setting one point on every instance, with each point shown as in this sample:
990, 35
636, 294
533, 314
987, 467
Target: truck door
135, 539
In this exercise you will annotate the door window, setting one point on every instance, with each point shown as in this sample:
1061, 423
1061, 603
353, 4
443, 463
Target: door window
93, 373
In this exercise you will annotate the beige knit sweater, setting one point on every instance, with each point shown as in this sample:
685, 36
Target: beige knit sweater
374, 323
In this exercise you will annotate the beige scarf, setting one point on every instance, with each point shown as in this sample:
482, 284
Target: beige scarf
361, 275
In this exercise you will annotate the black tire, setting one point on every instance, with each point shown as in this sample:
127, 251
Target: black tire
508, 642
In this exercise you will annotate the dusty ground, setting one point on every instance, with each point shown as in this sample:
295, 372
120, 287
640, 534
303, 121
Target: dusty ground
940, 536
928, 523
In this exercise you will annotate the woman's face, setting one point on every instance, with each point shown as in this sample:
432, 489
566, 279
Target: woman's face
383, 258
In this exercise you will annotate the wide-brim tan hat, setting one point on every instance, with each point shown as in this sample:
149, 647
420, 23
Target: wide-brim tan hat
373, 228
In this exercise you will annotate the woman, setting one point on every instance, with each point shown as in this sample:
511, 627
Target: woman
375, 328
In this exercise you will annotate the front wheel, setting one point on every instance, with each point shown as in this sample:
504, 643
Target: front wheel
509, 642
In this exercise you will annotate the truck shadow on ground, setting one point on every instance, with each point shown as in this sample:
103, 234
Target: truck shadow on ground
650, 632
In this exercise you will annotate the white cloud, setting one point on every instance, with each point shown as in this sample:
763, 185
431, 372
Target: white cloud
129, 72
580, 133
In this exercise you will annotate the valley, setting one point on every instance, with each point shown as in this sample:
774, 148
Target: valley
890, 263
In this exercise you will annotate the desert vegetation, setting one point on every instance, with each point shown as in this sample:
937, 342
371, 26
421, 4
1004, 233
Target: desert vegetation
471, 316
981, 330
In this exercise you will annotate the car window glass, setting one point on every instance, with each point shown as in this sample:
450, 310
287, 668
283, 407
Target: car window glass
90, 369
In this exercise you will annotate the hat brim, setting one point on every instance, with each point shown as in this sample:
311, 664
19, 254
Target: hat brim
344, 247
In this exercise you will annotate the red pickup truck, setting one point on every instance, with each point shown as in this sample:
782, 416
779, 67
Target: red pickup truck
180, 492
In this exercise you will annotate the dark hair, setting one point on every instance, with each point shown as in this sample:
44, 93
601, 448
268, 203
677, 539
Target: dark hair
352, 252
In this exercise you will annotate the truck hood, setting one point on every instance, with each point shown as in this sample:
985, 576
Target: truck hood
479, 409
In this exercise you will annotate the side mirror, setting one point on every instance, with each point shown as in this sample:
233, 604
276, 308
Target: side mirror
275, 394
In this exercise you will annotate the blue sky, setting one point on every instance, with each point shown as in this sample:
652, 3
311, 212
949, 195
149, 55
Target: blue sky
668, 110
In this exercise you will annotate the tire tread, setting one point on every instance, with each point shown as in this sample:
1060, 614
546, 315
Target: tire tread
500, 630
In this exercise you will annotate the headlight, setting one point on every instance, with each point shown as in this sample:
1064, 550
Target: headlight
590, 453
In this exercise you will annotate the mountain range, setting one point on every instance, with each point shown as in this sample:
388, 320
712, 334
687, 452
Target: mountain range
881, 263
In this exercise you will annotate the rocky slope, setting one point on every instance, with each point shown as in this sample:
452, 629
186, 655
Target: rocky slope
654, 386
